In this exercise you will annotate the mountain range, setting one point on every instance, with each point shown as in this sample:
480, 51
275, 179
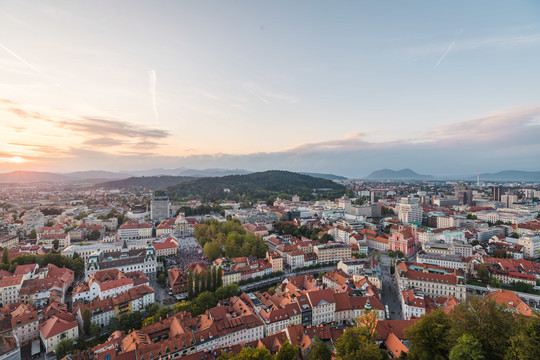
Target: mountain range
502, 176
100, 176
165, 177
404, 174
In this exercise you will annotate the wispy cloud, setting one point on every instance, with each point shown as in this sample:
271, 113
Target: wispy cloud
264, 94
501, 41
445, 53
86, 130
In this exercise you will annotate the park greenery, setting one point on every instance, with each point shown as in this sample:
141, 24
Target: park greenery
228, 239
76, 263
476, 329
254, 187
286, 352
203, 209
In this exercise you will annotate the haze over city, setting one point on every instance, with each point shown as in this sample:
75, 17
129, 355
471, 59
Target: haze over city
302, 86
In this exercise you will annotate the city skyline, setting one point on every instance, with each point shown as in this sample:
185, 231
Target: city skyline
303, 86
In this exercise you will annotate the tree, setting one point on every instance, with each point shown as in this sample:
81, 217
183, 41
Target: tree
5, 256
153, 309
78, 265
287, 352
94, 235
214, 279
190, 285
95, 330
523, 286
525, 343
196, 284
63, 348
87, 318
161, 279
467, 348
56, 244
428, 337
219, 282
379, 256
494, 282
209, 279
212, 251
320, 351
486, 322
32, 234
249, 353
357, 344
326, 238
206, 300
482, 272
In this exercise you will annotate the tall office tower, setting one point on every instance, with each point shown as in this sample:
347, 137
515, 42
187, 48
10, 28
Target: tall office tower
160, 207
409, 211
509, 199
463, 193
496, 192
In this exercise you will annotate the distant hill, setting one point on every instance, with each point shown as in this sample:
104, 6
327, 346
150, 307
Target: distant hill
404, 174
97, 174
32, 176
146, 182
89, 177
325, 176
511, 175
255, 187
189, 172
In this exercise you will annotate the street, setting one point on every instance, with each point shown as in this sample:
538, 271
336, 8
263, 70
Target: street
390, 294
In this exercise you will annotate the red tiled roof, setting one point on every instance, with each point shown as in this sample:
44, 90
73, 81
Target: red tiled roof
55, 326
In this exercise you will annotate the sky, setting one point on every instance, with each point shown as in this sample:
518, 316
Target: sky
344, 87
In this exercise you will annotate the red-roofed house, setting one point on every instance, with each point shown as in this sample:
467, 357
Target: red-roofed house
56, 329
167, 247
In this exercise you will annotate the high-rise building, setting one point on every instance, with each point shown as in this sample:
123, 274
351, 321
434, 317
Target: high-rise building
409, 211
509, 199
496, 192
463, 193
160, 207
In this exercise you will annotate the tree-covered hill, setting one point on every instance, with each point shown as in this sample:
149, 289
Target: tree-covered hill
146, 182
255, 187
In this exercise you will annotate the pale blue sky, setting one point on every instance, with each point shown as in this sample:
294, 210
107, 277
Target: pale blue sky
347, 87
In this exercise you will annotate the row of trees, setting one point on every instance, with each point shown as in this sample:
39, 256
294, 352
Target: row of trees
286, 228
477, 329
76, 264
197, 306
229, 239
209, 280
203, 209
286, 352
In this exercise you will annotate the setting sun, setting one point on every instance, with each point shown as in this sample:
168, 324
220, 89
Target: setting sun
16, 160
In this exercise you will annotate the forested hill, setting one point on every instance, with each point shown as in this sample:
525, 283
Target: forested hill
256, 187
146, 182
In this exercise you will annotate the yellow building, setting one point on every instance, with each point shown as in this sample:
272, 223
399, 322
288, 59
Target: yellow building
332, 252
231, 277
